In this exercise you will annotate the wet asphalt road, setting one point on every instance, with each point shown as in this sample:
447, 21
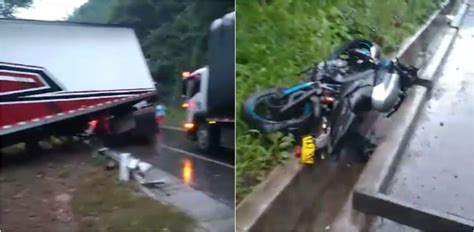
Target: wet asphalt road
436, 169
211, 173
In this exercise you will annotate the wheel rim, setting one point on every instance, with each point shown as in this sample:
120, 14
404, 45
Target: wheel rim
203, 138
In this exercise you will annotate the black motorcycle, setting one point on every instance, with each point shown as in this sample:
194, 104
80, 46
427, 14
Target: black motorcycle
333, 96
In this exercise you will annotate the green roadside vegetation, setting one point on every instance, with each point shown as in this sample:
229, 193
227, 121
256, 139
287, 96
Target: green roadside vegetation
102, 203
175, 116
278, 38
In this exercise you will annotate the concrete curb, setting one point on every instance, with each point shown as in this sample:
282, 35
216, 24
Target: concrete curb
460, 15
277, 203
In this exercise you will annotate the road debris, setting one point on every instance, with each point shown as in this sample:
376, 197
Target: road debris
63, 198
130, 165
124, 173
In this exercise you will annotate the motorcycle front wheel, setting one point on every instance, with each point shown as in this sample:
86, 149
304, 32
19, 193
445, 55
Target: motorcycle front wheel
260, 112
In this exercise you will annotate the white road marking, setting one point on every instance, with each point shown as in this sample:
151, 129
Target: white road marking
172, 128
197, 156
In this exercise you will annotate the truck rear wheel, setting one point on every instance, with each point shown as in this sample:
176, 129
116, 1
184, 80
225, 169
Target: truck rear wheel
207, 137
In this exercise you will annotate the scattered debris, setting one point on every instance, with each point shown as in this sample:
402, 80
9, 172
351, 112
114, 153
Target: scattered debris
63, 198
124, 173
63, 215
110, 165
130, 165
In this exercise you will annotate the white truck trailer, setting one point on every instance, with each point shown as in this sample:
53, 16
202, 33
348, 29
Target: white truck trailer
58, 77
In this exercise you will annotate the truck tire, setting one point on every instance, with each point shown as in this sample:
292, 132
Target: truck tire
207, 137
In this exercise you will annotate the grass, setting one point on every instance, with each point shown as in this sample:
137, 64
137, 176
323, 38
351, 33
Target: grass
278, 38
175, 116
102, 203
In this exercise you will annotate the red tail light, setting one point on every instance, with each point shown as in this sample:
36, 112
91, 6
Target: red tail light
93, 124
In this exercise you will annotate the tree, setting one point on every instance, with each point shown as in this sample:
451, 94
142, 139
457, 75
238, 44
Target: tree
94, 11
8, 7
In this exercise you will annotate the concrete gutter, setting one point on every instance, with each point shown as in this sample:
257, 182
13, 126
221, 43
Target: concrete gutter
277, 203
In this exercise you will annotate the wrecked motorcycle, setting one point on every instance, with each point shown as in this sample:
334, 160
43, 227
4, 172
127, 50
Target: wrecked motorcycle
326, 108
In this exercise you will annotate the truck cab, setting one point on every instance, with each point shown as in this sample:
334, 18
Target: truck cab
210, 91
195, 99
209, 132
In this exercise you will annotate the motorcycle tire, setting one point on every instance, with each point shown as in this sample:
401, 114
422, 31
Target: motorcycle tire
296, 125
